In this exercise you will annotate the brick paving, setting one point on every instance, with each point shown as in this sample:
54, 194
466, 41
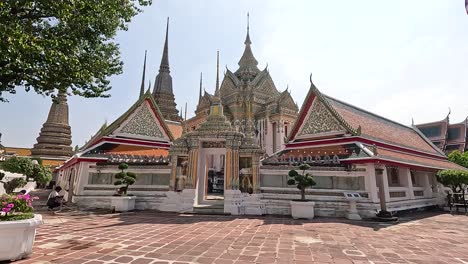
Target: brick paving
150, 237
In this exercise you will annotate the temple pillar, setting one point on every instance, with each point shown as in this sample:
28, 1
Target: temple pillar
256, 174
193, 167
406, 181
371, 183
228, 176
384, 194
173, 173
426, 183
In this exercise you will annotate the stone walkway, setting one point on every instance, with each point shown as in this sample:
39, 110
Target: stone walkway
150, 237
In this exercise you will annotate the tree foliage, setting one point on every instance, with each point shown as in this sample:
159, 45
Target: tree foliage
459, 158
302, 181
457, 180
51, 46
32, 171
124, 178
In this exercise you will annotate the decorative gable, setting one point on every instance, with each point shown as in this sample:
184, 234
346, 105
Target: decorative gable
142, 124
320, 120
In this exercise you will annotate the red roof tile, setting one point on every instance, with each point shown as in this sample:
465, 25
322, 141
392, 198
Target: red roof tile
417, 160
379, 128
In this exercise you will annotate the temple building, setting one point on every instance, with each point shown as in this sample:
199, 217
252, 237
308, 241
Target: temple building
235, 154
274, 112
448, 137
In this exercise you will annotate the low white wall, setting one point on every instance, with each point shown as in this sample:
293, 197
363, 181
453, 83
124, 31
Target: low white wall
147, 202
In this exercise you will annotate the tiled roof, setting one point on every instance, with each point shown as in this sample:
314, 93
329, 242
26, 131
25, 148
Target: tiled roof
106, 130
176, 129
417, 160
379, 128
18, 151
142, 152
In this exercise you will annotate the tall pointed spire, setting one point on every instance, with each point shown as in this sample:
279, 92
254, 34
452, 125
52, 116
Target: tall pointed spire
247, 63
142, 88
165, 57
185, 116
201, 83
217, 74
247, 38
162, 91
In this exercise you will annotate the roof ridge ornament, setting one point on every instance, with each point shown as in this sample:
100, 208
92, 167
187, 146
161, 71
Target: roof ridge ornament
327, 104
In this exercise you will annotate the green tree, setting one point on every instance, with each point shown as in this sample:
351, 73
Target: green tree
457, 180
124, 178
32, 170
459, 158
302, 181
52, 46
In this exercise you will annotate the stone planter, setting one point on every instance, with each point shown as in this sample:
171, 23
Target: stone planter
17, 238
302, 209
123, 203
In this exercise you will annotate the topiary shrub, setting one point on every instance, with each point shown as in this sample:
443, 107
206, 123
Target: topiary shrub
124, 178
302, 181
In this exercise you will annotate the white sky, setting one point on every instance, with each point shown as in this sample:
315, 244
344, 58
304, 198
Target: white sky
400, 59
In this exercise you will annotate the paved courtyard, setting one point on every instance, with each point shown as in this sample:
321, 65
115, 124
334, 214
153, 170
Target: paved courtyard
150, 237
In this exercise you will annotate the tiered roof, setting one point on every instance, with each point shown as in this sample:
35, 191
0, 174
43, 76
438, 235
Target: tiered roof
324, 120
446, 136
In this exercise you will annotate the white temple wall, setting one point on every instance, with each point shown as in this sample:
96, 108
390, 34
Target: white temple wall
328, 194
95, 185
331, 201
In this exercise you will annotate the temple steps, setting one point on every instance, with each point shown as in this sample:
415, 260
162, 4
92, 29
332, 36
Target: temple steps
210, 209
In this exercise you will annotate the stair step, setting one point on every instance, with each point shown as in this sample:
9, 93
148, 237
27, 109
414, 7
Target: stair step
209, 209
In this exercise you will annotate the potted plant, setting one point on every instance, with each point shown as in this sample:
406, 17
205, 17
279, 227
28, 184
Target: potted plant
302, 208
121, 202
18, 223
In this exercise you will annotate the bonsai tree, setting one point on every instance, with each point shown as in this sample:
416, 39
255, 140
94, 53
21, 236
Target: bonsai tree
456, 180
32, 169
124, 178
302, 181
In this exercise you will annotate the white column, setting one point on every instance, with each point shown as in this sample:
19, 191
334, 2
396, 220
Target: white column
371, 183
425, 181
269, 137
279, 135
405, 177
385, 185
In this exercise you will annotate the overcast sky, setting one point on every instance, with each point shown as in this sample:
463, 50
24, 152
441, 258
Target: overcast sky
400, 59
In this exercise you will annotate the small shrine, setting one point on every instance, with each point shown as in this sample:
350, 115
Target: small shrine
215, 158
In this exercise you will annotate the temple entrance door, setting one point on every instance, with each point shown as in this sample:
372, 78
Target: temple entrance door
211, 176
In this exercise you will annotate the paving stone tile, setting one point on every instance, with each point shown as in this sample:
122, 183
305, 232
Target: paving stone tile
168, 238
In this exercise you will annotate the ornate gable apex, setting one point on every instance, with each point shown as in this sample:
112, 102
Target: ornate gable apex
144, 112
318, 118
142, 123
233, 77
285, 99
267, 86
228, 86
